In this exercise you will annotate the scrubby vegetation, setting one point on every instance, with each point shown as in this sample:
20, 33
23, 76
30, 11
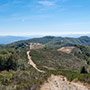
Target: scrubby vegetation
16, 74
72, 76
51, 58
32, 80
11, 59
22, 80
85, 51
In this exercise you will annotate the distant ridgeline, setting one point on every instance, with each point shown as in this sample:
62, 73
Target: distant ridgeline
60, 41
50, 41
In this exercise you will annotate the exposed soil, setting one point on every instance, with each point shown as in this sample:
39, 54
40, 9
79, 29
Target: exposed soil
32, 63
61, 83
66, 49
58, 82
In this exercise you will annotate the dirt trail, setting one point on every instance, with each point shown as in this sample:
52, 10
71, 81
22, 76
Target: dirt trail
32, 63
61, 83
57, 82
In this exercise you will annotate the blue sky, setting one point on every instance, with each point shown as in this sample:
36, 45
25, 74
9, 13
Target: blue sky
44, 17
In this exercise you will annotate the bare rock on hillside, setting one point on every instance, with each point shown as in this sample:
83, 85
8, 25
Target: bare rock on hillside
61, 83
36, 45
66, 49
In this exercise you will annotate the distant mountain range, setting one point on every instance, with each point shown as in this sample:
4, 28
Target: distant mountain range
61, 41
10, 39
47, 40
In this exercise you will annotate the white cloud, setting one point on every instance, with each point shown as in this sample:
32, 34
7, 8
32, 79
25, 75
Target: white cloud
46, 3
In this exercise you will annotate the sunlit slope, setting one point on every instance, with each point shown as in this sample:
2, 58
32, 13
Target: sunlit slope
54, 59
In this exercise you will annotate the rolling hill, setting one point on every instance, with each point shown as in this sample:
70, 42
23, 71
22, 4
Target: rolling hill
51, 41
57, 56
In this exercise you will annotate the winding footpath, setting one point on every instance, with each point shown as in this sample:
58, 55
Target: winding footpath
57, 82
32, 63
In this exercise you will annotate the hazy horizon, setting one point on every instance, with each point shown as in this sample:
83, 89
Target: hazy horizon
40, 36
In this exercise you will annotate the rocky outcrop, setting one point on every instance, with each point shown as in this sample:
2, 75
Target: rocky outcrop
36, 45
61, 83
66, 49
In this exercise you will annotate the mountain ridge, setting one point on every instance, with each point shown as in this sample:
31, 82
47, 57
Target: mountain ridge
60, 41
50, 41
